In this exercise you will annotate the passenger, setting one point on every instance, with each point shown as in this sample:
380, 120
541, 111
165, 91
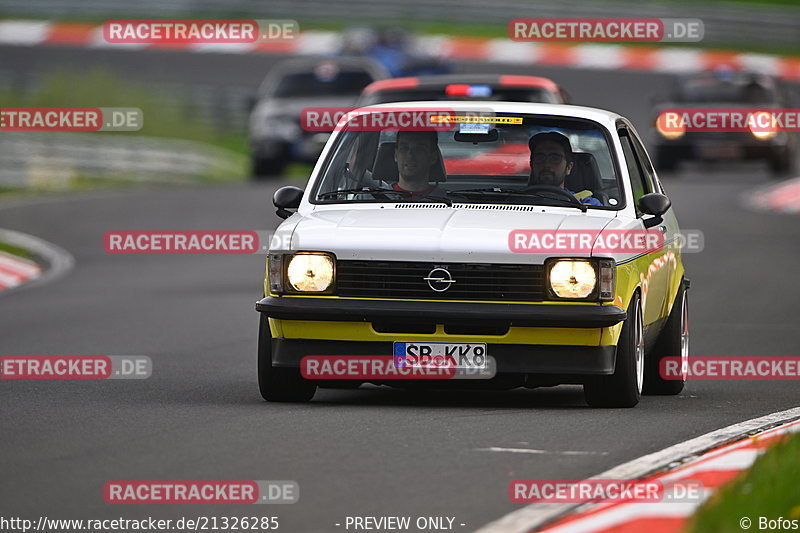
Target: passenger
552, 161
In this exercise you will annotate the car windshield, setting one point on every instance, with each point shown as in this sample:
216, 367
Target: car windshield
485, 161
732, 92
307, 84
475, 92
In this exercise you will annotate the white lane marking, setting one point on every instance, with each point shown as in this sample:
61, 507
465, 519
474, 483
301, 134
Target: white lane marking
533, 515
535, 451
734, 460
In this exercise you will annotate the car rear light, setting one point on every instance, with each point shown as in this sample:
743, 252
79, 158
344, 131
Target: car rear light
474, 91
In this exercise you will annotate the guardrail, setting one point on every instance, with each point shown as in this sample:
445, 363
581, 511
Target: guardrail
53, 159
724, 22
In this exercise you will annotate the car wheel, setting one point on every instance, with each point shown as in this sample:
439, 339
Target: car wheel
666, 161
624, 387
672, 342
782, 163
261, 168
279, 384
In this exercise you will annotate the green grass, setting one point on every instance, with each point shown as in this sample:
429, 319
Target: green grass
15, 250
164, 116
769, 489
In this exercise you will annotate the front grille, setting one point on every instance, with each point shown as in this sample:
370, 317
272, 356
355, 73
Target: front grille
473, 281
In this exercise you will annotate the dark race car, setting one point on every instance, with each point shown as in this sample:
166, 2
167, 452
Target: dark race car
725, 90
275, 133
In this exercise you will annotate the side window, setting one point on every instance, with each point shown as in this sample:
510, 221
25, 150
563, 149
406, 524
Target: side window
647, 165
639, 184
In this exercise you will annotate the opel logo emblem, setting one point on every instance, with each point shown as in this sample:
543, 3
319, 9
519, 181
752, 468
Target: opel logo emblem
439, 279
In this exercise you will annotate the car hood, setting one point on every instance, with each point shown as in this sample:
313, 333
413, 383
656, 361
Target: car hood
435, 232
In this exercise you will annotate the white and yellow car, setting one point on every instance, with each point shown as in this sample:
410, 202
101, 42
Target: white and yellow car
365, 266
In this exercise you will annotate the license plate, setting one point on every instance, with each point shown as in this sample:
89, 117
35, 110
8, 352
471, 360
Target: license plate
440, 354
720, 151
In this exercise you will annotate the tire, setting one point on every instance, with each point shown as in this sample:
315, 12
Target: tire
279, 384
672, 342
666, 161
261, 168
624, 387
781, 164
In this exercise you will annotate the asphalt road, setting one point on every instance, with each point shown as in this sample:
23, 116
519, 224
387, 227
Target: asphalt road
365, 452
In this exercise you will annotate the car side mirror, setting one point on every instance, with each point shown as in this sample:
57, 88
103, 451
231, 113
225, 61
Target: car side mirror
654, 204
286, 198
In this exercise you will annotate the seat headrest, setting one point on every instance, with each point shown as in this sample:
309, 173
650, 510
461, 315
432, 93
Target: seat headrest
585, 174
385, 168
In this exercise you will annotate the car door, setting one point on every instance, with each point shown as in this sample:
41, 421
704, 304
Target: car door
655, 271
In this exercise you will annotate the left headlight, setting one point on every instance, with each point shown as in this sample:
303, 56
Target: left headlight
581, 279
309, 272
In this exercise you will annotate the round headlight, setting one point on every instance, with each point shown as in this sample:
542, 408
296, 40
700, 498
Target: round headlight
762, 125
310, 272
670, 126
572, 279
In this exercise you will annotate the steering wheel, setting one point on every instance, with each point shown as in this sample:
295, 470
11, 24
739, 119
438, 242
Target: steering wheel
555, 189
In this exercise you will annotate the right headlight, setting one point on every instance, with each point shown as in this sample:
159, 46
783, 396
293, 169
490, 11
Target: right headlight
302, 272
670, 126
763, 125
581, 279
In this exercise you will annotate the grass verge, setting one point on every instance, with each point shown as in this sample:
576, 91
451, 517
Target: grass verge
769, 489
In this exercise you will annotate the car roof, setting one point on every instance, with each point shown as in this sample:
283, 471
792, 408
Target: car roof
601, 116
443, 80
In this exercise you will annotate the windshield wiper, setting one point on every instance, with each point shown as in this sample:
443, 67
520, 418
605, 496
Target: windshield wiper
374, 191
380, 191
515, 192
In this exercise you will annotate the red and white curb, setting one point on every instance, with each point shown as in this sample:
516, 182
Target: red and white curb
594, 56
712, 459
781, 198
19, 273
15, 271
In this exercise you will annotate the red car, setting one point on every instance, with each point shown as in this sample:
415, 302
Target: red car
512, 158
493, 87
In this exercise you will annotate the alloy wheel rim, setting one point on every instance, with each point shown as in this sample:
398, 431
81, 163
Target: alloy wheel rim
639, 349
684, 339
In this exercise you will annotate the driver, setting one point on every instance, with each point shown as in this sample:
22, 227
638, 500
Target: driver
552, 161
415, 154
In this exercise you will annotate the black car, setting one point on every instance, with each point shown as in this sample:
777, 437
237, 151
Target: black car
275, 133
725, 90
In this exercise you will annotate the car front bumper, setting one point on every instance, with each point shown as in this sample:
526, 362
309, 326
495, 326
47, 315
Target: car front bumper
512, 314
571, 356
511, 358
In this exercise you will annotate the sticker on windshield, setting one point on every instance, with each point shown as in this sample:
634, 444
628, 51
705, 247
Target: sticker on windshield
469, 127
438, 119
